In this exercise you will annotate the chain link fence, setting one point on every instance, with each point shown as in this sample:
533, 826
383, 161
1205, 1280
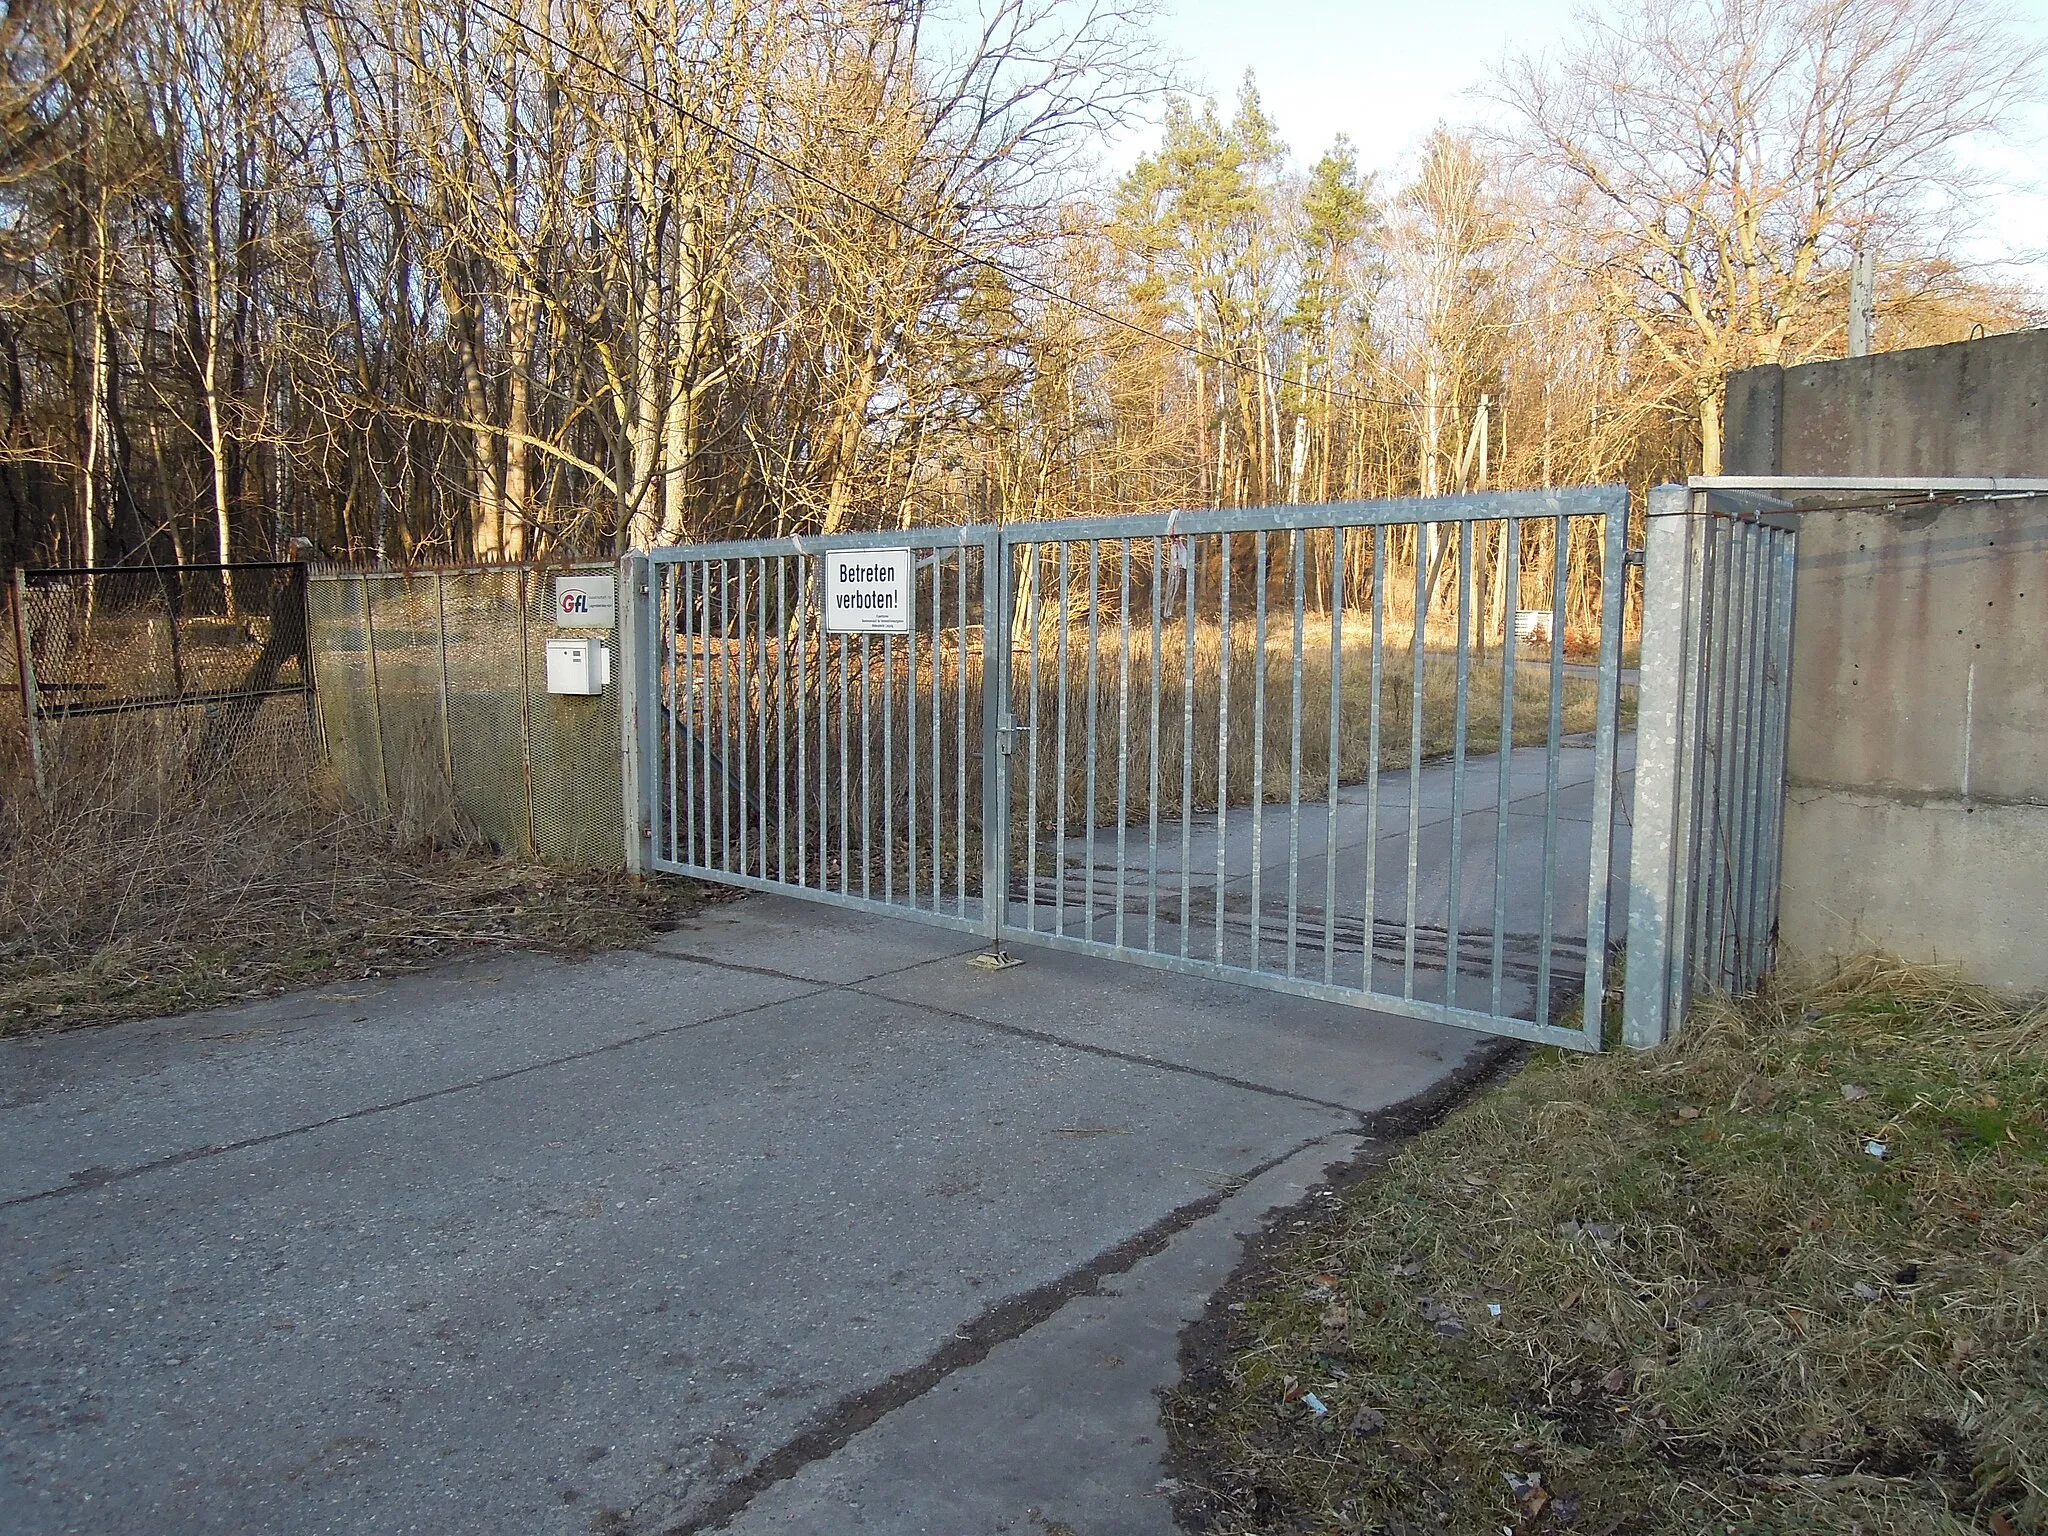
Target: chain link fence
432, 688
212, 658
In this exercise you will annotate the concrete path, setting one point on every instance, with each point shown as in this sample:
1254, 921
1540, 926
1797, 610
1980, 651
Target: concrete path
795, 1219
1530, 868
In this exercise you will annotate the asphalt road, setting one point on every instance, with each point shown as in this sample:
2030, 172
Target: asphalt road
796, 1221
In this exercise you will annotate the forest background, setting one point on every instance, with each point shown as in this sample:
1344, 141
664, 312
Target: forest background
539, 278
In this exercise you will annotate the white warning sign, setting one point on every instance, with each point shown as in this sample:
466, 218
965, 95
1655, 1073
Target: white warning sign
867, 592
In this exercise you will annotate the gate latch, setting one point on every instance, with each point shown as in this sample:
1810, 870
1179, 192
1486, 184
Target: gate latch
1008, 730
1632, 557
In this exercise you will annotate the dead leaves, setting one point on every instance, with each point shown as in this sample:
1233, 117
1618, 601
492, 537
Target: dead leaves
1529, 1494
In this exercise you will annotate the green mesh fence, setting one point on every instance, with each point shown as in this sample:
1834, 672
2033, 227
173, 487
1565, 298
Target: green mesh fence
433, 690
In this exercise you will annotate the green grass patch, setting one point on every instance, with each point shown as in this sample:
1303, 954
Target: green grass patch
1788, 1274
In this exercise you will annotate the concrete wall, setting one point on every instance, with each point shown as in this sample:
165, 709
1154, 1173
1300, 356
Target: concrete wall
1917, 811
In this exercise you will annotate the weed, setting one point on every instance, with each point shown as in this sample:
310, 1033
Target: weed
1788, 1273
136, 886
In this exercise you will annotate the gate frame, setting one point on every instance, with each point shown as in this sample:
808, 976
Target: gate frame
646, 818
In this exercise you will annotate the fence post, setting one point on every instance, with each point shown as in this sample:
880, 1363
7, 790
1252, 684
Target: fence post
639, 673
526, 710
441, 634
302, 585
1653, 987
25, 674
376, 692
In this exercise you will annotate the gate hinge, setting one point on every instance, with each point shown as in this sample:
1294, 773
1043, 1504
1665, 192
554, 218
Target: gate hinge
1632, 557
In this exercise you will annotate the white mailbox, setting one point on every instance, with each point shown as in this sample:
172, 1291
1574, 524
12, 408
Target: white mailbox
579, 667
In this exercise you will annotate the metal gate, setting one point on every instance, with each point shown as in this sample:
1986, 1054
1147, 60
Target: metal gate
1367, 752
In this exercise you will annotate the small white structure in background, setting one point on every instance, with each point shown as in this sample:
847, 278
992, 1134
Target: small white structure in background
580, 667
1532, 626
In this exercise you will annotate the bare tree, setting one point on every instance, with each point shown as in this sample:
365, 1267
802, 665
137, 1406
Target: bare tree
1708, 163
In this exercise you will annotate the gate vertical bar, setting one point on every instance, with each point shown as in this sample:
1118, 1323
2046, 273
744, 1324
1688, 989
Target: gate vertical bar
760, 709
1094, 681
1123, 734
781, 718
802, 638
1376, 681
1062, 662
685, 662
960, 736
1152, 794
995, 758
889, 768
1294, 753
867, 769
1613, 573
1560, 589
1222, 741
1187, 751
1416, 641
911, 818
1511, 544
1785, 563
1335, 591
1258, 894
1461, 720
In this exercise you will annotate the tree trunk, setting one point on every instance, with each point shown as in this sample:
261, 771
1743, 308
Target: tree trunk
520, 313
488, 540
681, 436
1711, 398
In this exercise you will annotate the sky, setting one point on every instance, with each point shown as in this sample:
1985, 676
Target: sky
1386, 73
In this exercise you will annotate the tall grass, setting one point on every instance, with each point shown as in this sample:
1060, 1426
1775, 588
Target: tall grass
151, 877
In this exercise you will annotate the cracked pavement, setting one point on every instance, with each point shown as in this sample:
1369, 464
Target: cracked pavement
791, 1221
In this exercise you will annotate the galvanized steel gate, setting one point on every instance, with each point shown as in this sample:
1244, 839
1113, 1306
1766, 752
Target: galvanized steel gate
1221, 742
1709, 814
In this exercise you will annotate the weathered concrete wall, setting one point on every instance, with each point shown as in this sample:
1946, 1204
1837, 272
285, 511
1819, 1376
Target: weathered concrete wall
1917, 815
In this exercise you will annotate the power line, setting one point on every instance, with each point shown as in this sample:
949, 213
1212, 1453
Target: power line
1020, 279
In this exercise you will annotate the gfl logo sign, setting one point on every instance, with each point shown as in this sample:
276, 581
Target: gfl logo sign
575, 602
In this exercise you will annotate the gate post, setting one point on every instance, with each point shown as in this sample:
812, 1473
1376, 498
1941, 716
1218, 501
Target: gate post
639, 675
1655, 985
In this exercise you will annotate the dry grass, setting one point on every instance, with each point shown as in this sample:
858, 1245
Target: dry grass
1718, 1309
135, 887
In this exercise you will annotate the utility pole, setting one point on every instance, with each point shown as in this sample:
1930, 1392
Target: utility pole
1862, 302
